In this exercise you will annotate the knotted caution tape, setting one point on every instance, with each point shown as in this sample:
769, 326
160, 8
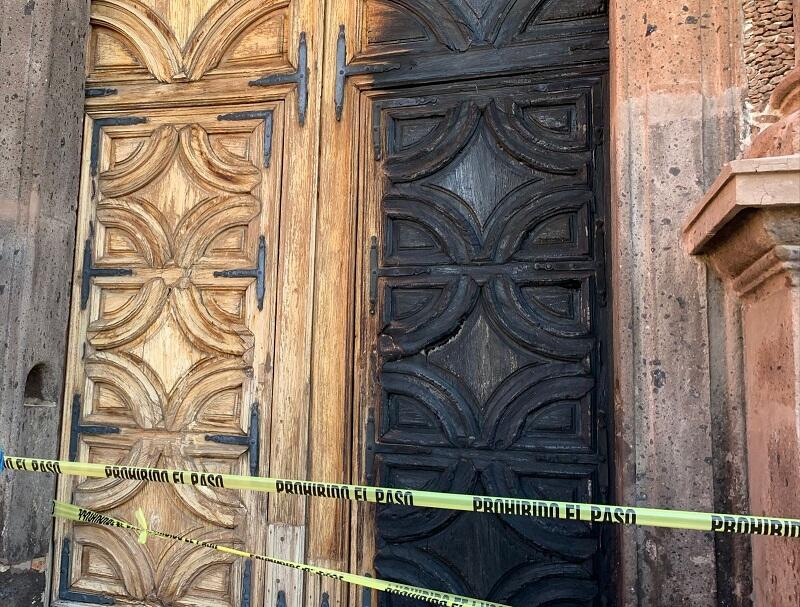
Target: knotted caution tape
74, 513
570, 511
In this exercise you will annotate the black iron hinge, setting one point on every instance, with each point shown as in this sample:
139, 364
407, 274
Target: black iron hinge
97, 128
89, 270
369, 448
600, 257
266, 116
366, 595
599, 136
344, 70
99, 92
251, 440
247, 576
76, 428
374, 273
64, 593
298, 77
259, 272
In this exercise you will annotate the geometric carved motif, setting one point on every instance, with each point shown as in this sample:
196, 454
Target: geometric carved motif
172, 41
490, 327
458, 25
169, 354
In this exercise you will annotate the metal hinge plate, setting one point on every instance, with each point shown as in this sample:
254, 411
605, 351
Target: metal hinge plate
259, 272
252, 440
298, 77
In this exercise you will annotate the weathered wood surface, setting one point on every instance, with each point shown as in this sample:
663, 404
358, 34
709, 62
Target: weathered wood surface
472, 150
484, 365
186, 168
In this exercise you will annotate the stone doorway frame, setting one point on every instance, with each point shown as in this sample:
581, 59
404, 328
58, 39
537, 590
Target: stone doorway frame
676, 117
677, 91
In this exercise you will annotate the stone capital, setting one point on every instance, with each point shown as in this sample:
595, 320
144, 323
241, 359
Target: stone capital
748, 224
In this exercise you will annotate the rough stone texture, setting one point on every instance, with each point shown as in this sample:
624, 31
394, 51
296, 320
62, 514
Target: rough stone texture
769, 47
41, 63
783, 137
20, 587
728, 441
748, 226
677, 105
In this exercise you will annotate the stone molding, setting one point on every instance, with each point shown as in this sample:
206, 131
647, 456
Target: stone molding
748, 224
748, 228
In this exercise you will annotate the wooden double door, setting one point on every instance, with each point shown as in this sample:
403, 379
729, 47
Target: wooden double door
351, 241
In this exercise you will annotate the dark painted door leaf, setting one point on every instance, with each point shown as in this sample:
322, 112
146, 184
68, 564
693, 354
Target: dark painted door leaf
491, 300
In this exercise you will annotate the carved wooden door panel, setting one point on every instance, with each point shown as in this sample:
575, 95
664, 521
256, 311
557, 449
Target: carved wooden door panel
483, 304
187, 342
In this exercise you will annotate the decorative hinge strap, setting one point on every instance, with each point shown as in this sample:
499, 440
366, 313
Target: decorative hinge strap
99, 92
373, 274
98, 125
298, 77
599, 136
89, 270
64, 593
259, 272
76, 428
343, 70
600, 258
281, 600
247, 576
266, 116
366, 595
251, 440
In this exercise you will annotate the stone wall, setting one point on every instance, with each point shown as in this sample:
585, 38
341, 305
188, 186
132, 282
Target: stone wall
769, 50
677, 98
41, 104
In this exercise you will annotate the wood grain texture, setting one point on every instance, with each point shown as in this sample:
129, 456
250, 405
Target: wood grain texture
174, 352
330, 431
483, 180
488, 377
289, 452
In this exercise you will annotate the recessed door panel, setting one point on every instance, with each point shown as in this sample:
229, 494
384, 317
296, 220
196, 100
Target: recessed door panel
171, 331
484, 309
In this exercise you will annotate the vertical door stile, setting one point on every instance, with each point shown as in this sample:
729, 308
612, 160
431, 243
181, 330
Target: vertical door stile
332, 357
287, 532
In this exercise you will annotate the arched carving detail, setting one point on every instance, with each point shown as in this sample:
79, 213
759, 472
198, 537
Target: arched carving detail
144, 30
219, 169
131, 562
155, 44
147, 163
220, 28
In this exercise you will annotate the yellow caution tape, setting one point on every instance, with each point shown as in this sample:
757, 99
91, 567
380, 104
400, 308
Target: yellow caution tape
570, 511
81, 515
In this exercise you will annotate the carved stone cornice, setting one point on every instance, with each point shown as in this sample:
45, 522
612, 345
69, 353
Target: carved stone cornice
748, 224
